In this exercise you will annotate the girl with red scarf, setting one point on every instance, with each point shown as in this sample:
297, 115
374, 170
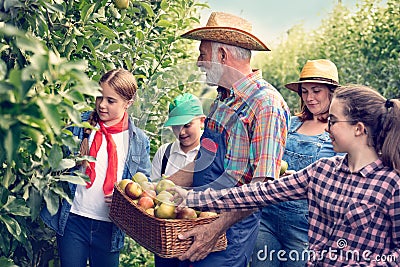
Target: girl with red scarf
84, 230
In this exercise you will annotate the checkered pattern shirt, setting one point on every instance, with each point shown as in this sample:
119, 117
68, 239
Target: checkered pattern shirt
354, 217
257, 139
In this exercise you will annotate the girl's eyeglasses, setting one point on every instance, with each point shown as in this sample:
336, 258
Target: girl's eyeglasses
332, 122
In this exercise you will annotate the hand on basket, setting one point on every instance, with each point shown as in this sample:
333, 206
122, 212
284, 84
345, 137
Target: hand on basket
205, 238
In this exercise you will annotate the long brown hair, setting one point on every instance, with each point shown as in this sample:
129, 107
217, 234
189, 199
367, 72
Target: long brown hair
379, 115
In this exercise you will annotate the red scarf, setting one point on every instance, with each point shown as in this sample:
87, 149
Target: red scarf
111, 174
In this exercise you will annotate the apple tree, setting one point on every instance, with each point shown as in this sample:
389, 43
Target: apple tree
50, 62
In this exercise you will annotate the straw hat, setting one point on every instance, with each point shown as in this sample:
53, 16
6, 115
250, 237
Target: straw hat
228, 29
316, 71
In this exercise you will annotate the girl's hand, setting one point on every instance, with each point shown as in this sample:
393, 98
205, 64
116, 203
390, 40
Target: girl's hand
288, 172
108, 199
179, 196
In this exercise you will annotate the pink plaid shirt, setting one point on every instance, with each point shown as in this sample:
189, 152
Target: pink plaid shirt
354, 216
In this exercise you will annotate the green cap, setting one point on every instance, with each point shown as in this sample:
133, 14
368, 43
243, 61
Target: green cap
183, 109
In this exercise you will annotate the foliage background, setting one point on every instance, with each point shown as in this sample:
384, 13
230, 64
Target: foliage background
364, 45
49, 69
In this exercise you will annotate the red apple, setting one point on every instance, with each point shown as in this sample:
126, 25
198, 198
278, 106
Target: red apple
133, 190
186, 213
146, 202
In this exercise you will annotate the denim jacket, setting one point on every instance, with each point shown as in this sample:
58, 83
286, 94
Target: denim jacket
138, 160
302, 150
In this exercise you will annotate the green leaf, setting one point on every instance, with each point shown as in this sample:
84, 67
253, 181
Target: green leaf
164, 23
34, 202
16, 207
52, 201
55, 156
3, 69
104, 30
11, 142
65, 164
72, 179
12, 225
87, 12
147, 7
51, 115
4, 262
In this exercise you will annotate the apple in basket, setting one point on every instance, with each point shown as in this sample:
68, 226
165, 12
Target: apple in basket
164, 185
146, 185
123, 183
139, 177
150, 211
149, 193
163, 196
133, 190
186, 213
146, 202
165, 211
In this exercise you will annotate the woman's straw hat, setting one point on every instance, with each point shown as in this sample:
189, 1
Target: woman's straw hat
228, 29
316, 71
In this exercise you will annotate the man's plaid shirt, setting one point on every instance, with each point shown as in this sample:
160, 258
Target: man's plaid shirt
264, 119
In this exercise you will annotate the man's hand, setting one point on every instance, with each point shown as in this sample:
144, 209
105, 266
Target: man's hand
205, 237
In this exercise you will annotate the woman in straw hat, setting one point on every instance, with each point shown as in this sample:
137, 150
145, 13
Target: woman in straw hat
284, 226
244, 136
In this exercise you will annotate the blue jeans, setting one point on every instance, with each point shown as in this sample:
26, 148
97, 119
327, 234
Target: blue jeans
282, 239
85, 239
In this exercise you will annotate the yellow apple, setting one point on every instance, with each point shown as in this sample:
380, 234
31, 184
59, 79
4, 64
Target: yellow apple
121, 4
163, 196
150, 211
133, 190
139, 177
165, 211
284, 167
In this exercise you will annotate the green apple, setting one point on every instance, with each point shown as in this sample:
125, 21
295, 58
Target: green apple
121, 4
139, 177
284, 167
165, 211
164, 185
163, 196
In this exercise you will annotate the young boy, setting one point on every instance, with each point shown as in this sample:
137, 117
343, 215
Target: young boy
186, 119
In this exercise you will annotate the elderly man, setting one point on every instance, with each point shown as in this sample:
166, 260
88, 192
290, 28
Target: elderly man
244, 136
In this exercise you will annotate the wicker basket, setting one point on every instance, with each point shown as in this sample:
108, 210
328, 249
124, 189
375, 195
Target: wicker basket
159, 236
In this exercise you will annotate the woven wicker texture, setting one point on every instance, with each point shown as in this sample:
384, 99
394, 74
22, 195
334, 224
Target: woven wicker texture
159, 236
